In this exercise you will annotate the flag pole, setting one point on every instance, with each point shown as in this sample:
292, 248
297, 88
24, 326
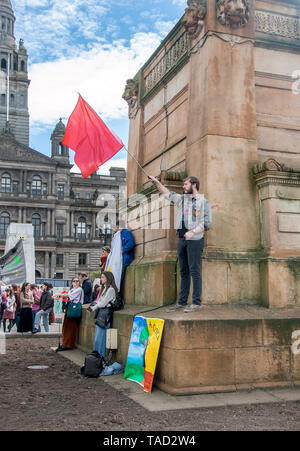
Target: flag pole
147, 175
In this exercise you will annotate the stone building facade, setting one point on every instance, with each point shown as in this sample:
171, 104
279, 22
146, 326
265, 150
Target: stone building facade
34, 188
219, 99
62, 206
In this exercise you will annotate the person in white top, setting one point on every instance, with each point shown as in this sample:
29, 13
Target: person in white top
106, 298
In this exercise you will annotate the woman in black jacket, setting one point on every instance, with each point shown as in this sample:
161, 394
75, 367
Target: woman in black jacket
46, 305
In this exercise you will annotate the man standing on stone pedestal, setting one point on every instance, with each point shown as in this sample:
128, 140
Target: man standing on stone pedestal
190, 229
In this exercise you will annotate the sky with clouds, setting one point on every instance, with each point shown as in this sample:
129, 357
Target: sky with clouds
91, 47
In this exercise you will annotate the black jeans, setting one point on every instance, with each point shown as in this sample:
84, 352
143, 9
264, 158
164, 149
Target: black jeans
190, 257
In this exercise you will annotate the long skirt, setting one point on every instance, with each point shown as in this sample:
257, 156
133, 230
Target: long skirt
25, 324
69, 332
100, 340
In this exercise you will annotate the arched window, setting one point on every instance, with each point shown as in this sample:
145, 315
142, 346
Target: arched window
3, 100
3, 63
5, 183
36, 222
22, 100
4, 223
22, 66
12, 100
36, 189
81, 229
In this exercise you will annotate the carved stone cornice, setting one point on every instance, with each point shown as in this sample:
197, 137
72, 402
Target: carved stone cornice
273, 173
277, 24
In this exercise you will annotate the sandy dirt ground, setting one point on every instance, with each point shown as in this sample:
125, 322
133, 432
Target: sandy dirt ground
60, 399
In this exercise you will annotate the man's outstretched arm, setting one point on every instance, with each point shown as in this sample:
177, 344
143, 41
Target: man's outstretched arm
161, 188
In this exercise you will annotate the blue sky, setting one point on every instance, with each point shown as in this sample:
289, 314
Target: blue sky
91, 47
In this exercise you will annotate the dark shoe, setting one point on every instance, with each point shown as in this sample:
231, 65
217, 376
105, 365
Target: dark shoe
35, 331
61, 348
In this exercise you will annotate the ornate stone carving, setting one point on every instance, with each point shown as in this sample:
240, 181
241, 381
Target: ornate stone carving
269, 165
279, 25
131, 97
167, 62
233, 13
193, 20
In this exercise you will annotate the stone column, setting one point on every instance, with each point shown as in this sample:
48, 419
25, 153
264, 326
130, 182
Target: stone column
53, 264
53, 223
48, 231
20, 215
46, 264
221, 149
93, 234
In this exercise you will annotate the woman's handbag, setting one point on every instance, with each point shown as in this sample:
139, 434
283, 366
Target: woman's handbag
74, 310
103, 317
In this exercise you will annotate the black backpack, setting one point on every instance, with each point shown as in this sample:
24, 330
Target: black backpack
93, 365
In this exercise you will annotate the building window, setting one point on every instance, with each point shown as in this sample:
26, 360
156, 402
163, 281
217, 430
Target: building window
60, 260
3, 100
15, 187
88, 196
59, 275
82, 259
81, 229
5, 183
77, 196
60, 232
12, 100
45, 189
22, 66
36, 222
28, 187
60, 191
36, 186
3, 63
22, 100
4, 223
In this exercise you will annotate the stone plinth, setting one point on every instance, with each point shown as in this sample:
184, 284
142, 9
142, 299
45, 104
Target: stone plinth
220, 348
25, 231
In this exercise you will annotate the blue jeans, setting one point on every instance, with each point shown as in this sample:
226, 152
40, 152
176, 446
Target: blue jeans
190, 257
45, 316
34, 312
100, 340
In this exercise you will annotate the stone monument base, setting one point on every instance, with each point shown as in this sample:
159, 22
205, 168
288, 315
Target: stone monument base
217, 349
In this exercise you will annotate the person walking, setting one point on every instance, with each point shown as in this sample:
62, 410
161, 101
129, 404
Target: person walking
9, 312
46, 305
70, 326
106, 298
190, 229
26, 300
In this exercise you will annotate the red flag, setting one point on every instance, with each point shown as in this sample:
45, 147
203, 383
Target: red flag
90, 138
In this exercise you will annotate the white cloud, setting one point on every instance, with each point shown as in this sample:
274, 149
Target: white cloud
99, 75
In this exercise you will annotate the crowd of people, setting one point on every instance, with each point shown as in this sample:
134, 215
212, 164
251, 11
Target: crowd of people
29, 306
25, 307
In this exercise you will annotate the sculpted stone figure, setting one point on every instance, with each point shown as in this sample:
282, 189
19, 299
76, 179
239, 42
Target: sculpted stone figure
194, 17
131, 97
233, 13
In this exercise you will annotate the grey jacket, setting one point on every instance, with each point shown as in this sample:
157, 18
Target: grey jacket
199, 215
